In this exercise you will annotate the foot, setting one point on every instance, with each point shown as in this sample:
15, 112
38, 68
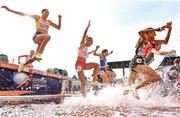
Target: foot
21, 67
96, 93
126, 92
83, 92
95, 85
38, 60
38, 56
62, 93
135, 94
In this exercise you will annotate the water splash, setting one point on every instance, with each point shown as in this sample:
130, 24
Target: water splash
108, 103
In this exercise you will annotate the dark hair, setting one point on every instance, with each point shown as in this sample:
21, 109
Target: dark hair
105, 50
149, 28
43, 10
90, 38
140, 42
177, 60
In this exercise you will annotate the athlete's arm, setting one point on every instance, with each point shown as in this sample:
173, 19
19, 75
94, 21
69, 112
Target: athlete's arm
57, 26
19, 58
110, 52
36, 17
161, 52
142, 32
85, 33
91, 52
95, 51
169, 26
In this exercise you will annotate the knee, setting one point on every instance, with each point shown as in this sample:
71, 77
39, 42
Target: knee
96, 66
114, 75
158, 77
47, 38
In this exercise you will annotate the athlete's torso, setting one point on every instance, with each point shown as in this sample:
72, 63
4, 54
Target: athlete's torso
144, 49
103, 62
140, 54
42, 25
83, 53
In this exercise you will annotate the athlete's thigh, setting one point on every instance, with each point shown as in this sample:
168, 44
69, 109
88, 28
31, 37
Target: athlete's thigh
110, 73
133, 75
89, 66
39, 38
145, 69
147, 73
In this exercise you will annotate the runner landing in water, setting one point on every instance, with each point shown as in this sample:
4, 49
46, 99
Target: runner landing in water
41, 36
81, 64
104, 73
138, 66
153, 46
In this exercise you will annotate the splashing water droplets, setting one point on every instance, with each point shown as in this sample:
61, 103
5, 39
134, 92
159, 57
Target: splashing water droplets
109, 102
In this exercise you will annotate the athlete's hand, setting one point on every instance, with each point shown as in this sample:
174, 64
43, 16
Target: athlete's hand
89, 23
97, 46
163, 27
111, 52
169, 25
91, 52
173, 51
59, 17
5, 7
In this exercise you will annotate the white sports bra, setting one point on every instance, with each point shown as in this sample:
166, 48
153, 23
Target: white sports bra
83, 52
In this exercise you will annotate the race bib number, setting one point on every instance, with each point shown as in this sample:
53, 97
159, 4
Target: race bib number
139, 60
79, 68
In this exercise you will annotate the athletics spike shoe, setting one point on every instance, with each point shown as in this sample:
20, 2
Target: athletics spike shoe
39, 56
21, 67
96, 85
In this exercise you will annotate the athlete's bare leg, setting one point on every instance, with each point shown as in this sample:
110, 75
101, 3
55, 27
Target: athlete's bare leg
81, 77
147, 76
132, 77
111, 74
150, 76
30, 61
41, 40
95, 71
105, 79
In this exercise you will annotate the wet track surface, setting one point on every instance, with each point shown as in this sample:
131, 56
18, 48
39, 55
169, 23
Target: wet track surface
103, 105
